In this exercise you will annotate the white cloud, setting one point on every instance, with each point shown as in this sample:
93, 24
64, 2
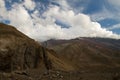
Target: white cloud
114, 2
117, 26
62, 3
115, 5
29, 4
2, 3
20, 18
104, 14
3, 11
44, 29
81, 24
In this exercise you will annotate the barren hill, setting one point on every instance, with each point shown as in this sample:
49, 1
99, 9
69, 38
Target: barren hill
22, 58
89, 53
20, 53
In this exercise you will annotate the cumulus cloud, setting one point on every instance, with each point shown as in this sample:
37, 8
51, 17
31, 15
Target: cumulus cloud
29, 4
45, 28
81, 24
3, 11
63, 3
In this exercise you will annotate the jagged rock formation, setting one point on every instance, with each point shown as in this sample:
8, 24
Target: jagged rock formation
19, 52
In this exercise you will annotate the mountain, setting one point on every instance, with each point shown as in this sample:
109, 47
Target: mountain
22, 58
89, 54
20, 53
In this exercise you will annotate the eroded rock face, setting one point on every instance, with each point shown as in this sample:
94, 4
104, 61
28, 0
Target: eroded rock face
17, 51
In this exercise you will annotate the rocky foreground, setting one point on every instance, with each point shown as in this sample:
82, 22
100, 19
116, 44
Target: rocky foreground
59, 75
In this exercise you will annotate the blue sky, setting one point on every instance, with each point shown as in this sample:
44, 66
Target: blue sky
91, 7
103, 12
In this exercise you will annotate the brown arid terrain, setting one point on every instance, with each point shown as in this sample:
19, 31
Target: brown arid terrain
19, 54
88, 53
22, 58
90, 56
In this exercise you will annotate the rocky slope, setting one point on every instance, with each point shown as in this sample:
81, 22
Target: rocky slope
94, 54
19, 53
22, 58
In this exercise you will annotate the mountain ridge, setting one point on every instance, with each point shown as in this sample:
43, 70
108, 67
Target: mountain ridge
89, 52
22, 58
23, 52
